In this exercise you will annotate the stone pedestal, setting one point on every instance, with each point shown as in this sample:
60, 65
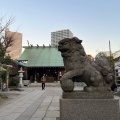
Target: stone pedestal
21, 83
89, 109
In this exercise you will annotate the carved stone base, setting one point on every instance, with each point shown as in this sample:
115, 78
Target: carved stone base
87, 95
89, 109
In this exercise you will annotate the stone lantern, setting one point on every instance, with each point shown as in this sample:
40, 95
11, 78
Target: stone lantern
20, 76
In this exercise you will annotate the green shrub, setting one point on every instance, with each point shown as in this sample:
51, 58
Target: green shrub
14, 81
3, 96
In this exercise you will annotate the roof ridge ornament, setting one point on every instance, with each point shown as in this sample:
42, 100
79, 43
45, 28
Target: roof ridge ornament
28, 42
49, 46
31, 45
37, 46
43, 45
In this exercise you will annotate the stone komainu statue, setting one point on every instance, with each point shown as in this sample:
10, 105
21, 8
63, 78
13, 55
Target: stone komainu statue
97, 75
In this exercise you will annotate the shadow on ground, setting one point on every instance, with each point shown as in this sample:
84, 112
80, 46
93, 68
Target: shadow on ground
7, 98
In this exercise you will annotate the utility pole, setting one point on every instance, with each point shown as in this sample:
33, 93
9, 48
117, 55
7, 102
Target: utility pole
110, 48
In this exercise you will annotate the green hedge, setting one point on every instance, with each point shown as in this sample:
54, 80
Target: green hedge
14, 81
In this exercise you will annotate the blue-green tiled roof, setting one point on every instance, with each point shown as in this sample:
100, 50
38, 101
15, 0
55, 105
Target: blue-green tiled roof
42, 57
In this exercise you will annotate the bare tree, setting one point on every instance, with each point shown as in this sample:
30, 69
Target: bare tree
4, 25
5, 40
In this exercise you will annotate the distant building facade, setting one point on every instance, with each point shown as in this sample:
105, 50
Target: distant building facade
15, 50
90, 57
116, 55
59, 35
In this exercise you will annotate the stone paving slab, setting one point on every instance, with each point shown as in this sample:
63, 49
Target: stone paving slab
52, 114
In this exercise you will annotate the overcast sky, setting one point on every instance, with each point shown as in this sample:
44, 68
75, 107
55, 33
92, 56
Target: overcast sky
94, 21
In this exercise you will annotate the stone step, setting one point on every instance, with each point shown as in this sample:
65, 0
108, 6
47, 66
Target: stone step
55, 84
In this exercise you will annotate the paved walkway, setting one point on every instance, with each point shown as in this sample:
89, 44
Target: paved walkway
33, 104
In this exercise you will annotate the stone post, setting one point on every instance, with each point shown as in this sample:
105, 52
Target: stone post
7, 81
7, 75
1, 83
0, 77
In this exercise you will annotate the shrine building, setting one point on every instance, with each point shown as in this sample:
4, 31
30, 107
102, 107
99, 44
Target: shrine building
39, 60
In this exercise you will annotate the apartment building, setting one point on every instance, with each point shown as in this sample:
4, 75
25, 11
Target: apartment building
59, 35
15, 50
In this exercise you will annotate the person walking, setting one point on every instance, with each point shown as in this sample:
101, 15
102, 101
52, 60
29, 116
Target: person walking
59, 75
43, 80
